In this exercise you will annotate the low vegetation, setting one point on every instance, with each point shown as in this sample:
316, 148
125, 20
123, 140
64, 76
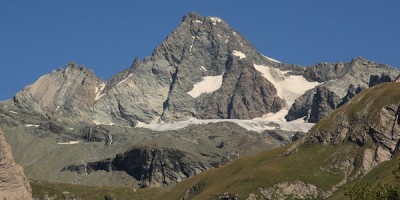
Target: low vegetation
61, 191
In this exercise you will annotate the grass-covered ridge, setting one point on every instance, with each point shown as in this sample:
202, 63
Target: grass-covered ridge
246, 175
368, 102
312, 163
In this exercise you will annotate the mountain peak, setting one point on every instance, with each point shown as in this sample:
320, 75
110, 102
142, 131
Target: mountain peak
192, 16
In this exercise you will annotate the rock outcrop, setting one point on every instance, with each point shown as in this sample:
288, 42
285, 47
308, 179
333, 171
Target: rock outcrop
338, 79
292, 190
13, 183
66, 93
371, 122
152, 167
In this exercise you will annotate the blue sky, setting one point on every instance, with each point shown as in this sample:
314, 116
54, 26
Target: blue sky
39, 36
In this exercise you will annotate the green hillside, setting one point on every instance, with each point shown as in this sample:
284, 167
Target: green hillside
313, 161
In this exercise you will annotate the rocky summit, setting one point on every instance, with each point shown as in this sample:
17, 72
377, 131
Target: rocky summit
204, 97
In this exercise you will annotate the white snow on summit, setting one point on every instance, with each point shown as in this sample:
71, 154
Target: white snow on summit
214, 20
239, 54
209, 84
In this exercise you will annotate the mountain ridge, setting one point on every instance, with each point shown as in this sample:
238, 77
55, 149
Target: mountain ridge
205, 94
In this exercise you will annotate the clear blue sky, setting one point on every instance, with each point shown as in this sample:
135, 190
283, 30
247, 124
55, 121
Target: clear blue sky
38, 36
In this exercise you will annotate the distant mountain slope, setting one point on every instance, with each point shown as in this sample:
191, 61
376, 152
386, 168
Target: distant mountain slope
343, 146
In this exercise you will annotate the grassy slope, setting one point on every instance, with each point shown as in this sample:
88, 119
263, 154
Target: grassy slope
246, 175
59, 191
368, 101
381, 174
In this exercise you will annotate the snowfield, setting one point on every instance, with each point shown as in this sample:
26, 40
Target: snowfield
288, 88
209, 84
258, 124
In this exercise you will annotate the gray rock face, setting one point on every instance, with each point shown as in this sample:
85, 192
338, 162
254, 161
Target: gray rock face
13, 183
159, 86
324, 102
68, 93
295, 190
153, 167
245, 94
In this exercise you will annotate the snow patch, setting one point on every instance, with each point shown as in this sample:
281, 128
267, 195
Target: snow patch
98, 91
198, 21
13, 112
124, 80
32, 125
239, 54
71, 129
288, 88
209, 84
226, 41
100, 123
70, 142
271, 59
270, 122
215, 20
191, 46
203, 68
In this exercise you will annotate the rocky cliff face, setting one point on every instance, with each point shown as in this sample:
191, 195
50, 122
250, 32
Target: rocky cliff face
66, 93
13, 183
371, 122
152, 167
